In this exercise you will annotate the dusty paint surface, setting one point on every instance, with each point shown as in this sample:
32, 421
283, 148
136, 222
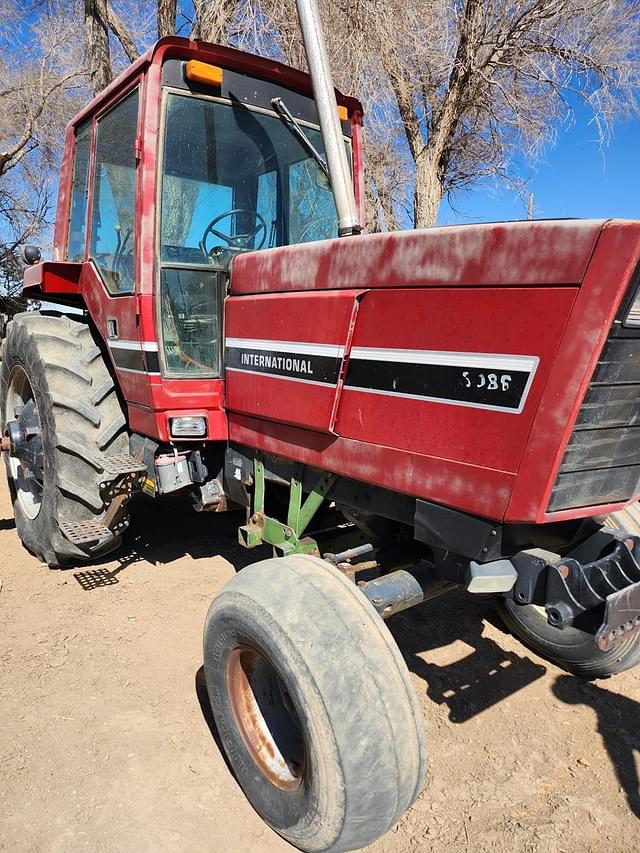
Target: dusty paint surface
520, 253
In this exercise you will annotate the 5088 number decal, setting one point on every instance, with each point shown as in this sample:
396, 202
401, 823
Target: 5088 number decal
490, 381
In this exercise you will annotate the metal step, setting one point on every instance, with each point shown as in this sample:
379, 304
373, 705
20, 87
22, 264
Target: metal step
85, 532
122, 463
122, 475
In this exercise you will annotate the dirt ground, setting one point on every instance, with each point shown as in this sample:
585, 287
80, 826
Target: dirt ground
105, 741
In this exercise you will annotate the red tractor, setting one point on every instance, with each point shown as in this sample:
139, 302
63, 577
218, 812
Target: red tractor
400, 414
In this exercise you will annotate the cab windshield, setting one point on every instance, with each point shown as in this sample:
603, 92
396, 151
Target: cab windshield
234, 179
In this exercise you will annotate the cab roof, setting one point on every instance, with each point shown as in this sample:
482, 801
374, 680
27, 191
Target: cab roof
174, 47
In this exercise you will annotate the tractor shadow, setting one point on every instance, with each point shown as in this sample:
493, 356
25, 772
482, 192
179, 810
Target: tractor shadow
618, 726
164, 531
488, 674
485, 675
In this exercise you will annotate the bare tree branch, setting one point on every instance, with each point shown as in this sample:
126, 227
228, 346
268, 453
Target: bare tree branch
212, 19
122, 33
26, 143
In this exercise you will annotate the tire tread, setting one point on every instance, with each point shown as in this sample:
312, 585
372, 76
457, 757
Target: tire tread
362, 679
73, 383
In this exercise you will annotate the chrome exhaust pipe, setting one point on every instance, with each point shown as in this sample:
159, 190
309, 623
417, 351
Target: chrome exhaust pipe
325, 98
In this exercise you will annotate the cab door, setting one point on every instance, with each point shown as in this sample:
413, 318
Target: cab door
111, 233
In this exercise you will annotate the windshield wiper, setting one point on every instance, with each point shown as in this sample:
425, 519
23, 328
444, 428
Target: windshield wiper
284, 112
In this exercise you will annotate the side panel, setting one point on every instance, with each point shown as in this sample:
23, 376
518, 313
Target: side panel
461, 452
283, 355
452, 373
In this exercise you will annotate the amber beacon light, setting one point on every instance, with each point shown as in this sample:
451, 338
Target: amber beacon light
202, 72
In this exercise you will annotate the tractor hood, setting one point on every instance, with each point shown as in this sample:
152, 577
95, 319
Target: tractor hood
506, 253
451, 363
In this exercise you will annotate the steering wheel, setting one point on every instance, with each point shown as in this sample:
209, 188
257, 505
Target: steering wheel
237, 241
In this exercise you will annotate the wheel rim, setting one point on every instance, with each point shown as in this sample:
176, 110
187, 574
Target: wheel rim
26, 465
266, 718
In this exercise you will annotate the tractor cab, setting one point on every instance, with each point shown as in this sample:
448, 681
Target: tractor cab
195, 155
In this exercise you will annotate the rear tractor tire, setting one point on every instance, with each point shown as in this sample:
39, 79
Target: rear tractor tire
54, 373
625, 519
313, 704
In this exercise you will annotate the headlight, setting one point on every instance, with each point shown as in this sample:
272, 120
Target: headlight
188, 427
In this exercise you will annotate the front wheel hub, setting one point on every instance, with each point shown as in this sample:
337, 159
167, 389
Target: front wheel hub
23, 442
266, 718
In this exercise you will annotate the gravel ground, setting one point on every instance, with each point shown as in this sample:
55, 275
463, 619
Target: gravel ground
105, 738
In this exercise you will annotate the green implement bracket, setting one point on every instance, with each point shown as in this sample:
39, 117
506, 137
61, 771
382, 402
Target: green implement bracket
285, 538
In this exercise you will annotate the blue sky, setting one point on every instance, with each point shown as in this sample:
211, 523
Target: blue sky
576, 177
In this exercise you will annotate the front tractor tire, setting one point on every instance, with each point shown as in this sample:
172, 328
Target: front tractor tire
569, 648
54, 378
313, 704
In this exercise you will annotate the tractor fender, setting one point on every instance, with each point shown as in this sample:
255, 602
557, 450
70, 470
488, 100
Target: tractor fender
53, 278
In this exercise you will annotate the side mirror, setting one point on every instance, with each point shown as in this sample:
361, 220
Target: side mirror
31, 255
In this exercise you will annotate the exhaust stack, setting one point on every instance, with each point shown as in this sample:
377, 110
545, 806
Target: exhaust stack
324, 94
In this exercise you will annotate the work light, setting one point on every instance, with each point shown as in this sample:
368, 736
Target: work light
188, 427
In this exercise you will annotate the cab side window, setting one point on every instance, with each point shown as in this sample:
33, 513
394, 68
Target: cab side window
79, 194
114, 192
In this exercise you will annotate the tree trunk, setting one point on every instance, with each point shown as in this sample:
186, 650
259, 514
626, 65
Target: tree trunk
212, 20
380, 215
97, 45
428, 193
167, 17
